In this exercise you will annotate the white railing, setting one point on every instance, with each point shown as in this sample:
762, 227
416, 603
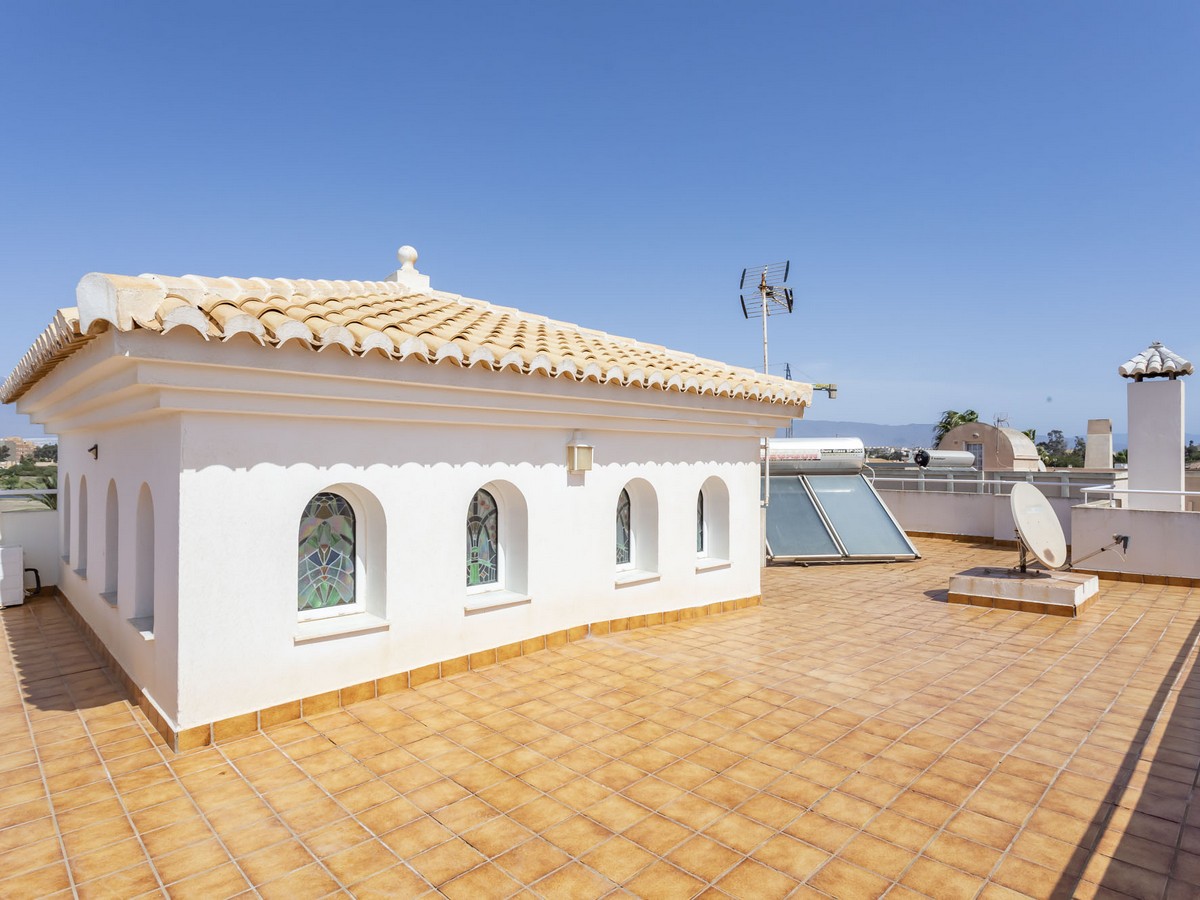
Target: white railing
1112, 489
1065, 485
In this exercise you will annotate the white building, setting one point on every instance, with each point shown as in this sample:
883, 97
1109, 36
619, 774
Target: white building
269, 489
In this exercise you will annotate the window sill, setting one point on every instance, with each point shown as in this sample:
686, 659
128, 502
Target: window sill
110, 597
630, 577
82, 573
144, 626
489, 600
338, 626
711, 564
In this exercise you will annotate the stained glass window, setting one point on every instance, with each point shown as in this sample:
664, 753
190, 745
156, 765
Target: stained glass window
624, 531
700, 522
483, 545
326, 553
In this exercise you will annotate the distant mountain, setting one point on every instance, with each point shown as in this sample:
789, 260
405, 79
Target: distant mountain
871, 434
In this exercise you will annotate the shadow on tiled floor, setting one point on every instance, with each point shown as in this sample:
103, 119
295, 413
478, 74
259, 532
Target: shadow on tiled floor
853, 737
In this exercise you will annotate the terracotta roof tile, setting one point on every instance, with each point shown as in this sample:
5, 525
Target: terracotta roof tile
385, 316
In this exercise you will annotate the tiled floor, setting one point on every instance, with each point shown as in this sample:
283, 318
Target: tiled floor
855, 736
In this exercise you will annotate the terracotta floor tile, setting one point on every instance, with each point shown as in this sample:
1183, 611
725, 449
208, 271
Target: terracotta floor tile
958, 852
658, 834
790, 856
577, 835
882, 858
940, 881
416, 837
576, 881
532, 860
661, 879
619, 859
308, 883
446, 861
275, 861
225, 881
753, 881
191, 860
484, 881
137, 881
657, 756
360, 862
398, 881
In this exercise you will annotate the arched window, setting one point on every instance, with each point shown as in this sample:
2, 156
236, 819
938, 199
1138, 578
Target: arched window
637, 533
483, 540
81, 546
624, 530
112, 527
143, 576
326, 553
64, 507
712, 525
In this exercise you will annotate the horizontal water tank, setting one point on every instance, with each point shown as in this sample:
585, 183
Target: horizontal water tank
828, 456
944, 459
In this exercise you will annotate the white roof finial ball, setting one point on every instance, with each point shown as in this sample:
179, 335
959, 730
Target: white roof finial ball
408, 258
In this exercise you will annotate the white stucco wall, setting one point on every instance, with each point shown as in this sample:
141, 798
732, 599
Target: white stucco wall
243, 491
36, 531
130, 455
1160, 542
974, 515
234, 439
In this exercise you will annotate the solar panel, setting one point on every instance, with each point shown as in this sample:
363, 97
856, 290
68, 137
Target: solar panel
795, 529
858, 515
831, 517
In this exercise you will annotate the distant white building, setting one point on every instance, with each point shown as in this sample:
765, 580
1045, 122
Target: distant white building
278, 496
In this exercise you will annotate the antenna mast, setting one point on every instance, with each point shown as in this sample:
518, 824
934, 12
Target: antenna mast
768, 297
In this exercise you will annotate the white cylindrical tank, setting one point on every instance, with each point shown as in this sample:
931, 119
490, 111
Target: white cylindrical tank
944, 459
836, 455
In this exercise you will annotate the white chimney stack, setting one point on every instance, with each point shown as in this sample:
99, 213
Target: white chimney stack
1156, 407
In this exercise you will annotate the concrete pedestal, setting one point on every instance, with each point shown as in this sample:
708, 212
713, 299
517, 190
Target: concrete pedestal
1053, 593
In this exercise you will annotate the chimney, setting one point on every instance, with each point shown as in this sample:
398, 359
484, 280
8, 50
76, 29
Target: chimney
1099, 452
1156, 403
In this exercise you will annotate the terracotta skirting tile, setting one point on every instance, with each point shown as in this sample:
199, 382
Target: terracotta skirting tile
235, 726
192, 738
390, 684
556, 639
483, 658
600, 628
283, 712
578, 633
357, 693
423, 674
455, 666
508, 651
532, 645
320, 703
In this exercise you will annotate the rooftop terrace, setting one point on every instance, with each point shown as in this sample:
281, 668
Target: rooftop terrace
854, 736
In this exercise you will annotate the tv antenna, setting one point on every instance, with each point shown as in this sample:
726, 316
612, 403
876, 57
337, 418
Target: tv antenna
763, 295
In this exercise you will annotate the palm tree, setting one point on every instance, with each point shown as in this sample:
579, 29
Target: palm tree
952, 418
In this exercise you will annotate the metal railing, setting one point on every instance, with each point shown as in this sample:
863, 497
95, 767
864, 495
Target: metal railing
1065, 485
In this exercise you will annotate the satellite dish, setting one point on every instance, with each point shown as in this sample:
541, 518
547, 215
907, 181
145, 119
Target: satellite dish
1038, 527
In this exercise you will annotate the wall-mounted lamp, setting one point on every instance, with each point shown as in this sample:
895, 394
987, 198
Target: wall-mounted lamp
579, 454
830, 389
94, 450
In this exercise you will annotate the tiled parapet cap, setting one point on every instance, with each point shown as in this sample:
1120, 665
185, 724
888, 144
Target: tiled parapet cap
1156, 361
400, 318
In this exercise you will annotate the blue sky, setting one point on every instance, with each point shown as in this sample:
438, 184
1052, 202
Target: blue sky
987, 205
